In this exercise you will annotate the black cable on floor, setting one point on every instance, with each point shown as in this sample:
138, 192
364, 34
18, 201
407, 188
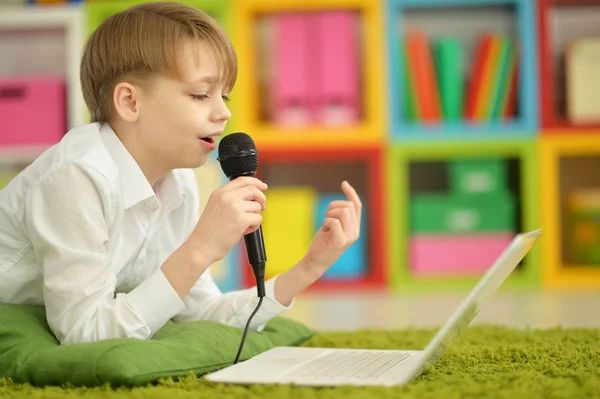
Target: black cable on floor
237, 358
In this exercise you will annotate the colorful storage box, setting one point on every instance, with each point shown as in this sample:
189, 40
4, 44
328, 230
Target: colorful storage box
439, 254
488, 176
32, 110
353, 263
288, 226
440, 213
583, 223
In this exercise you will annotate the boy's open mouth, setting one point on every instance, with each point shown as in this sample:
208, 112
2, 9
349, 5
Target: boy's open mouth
208, 139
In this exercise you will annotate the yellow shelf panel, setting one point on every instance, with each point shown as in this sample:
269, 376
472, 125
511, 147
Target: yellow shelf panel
247, 92
552, 148
577, 277
267, 135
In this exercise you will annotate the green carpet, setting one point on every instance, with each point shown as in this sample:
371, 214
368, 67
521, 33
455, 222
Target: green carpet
487, 361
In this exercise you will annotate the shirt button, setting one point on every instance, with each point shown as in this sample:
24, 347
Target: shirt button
151, 203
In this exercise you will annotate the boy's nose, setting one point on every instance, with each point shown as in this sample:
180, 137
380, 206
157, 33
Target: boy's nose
221, 112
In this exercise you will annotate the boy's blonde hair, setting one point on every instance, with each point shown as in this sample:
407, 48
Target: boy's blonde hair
145, 39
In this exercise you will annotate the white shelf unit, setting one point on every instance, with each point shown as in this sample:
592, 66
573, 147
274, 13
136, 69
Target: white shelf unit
46, 20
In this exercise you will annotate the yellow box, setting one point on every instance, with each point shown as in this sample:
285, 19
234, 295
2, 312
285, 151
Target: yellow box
288, 226
246, 92
552, 147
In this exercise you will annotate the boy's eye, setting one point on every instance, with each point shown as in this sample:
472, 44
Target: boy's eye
226, 97
200, 96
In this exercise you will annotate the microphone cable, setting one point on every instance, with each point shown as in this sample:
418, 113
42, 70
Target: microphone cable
260, 287
237, 357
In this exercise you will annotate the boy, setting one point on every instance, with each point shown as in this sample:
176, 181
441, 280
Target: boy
103, 228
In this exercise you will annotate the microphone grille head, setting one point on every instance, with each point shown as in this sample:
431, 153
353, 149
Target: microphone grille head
238, 155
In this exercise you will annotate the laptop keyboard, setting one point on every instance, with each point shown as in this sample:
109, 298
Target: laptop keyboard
355, 365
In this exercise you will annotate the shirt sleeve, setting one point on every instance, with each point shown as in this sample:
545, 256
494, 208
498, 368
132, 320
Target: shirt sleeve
67, 220
205, 301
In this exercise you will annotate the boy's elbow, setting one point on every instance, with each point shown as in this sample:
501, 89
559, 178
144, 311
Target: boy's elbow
79, 336
94, 329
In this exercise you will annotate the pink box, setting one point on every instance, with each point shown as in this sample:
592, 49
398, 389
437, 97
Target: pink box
456, 255
336, 42
32, 110
291, 84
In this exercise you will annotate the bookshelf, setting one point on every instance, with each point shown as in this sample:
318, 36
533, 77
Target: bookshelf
404, 184
390, 156
460, 20
323, 169
55, 35
371, 127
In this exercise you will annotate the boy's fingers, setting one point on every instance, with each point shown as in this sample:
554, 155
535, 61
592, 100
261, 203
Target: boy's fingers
334, 227
345, 217
246, 181
251, 193
252, 206
352, 196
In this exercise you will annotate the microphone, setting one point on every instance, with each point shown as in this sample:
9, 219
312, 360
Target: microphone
239, 157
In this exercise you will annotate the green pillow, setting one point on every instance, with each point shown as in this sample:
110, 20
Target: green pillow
29, 352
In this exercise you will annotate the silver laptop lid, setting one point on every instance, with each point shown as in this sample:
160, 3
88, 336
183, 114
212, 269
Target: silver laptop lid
472, 304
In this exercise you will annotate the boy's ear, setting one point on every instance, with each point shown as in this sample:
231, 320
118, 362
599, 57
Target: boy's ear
125, 99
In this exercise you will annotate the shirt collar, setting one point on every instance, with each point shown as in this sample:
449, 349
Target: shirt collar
134, 185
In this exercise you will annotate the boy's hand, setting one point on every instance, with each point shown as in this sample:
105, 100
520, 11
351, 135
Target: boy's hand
232, 211
340, 229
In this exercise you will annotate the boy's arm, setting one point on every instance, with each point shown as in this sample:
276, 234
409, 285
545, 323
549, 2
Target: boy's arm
205, 301
69, 215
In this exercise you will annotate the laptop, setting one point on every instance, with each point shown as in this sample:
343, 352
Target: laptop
363, 367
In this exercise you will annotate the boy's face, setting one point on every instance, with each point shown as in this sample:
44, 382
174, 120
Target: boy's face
181, 119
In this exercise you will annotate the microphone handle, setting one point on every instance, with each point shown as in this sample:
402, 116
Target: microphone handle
255, 249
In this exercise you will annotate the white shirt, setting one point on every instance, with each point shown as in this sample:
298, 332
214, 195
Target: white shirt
83, 233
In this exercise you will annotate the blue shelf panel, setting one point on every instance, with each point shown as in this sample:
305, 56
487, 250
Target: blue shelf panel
230, 280
452, 3
458, 130
527, 122
420, 136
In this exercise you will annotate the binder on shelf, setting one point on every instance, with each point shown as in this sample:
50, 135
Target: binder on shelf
32, 110
336, 76
291, 82
509, 101
476, 79
500, 79
485, 91
353, 263
423, 75
583, 81
448, 61
411, 109
507, 87
288, 226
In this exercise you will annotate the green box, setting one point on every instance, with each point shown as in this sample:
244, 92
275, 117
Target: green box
478, 176
5, 178
583, 226
440, 213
